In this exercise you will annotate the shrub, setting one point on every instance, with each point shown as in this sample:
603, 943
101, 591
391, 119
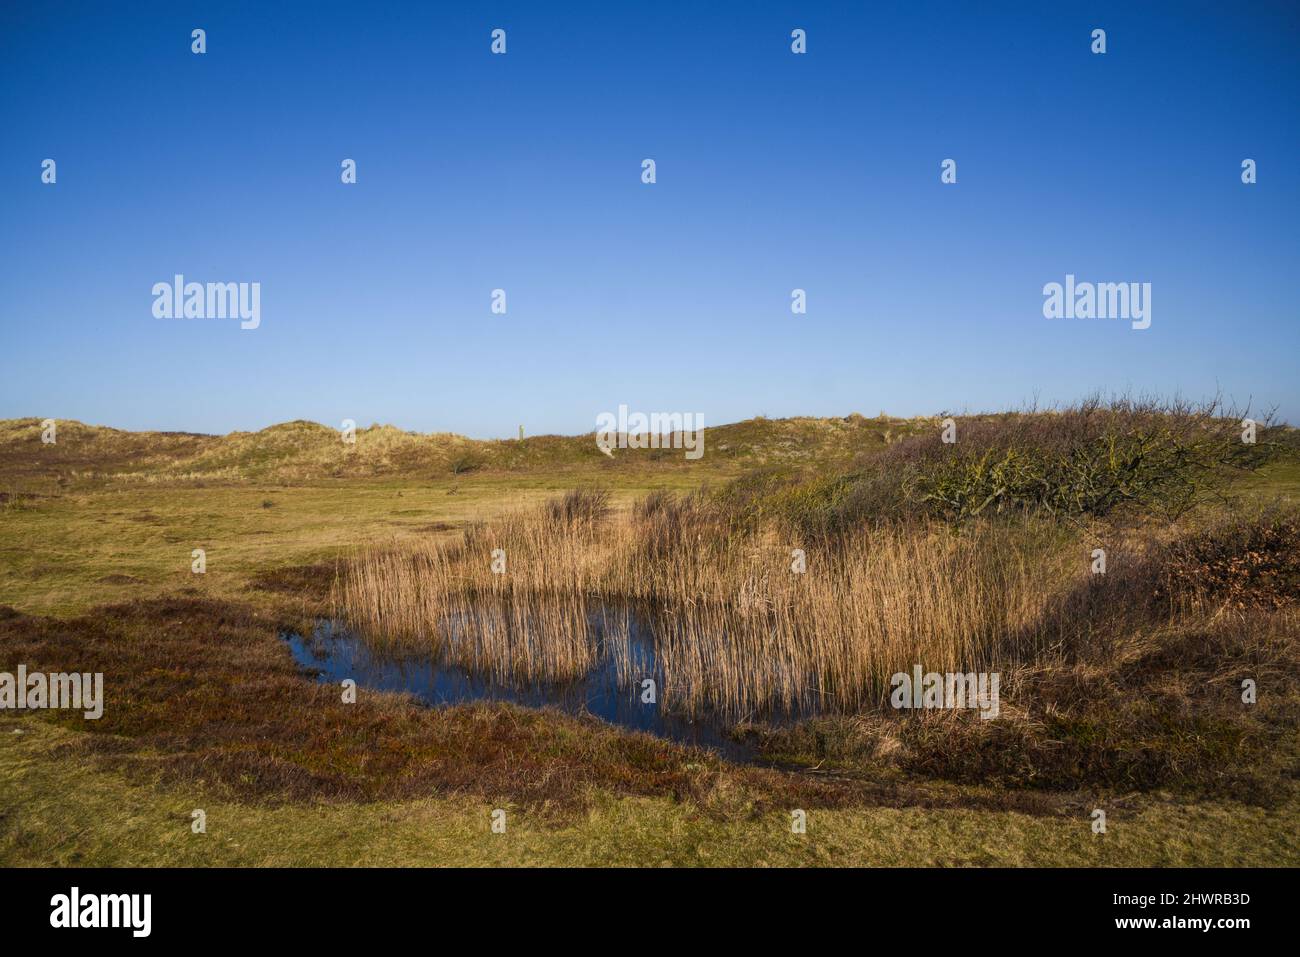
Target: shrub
465, 462
1090, 459
580, 505
1241, 561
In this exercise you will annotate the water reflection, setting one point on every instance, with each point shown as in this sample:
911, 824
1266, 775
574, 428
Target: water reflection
337, 654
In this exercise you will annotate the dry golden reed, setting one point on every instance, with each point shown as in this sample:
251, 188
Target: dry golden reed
737, 630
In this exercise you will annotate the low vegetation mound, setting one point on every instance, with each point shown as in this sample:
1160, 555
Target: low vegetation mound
1092, 460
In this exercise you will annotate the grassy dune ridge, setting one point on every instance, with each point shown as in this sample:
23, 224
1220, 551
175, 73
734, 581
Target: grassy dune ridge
308, 451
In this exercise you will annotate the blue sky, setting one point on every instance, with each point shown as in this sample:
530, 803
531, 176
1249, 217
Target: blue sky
775, 171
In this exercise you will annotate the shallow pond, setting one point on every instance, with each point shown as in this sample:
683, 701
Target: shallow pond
335, 654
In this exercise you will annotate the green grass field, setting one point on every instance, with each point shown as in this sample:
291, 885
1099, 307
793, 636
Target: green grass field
58, 811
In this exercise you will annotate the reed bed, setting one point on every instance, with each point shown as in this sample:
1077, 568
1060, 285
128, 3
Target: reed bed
737, 630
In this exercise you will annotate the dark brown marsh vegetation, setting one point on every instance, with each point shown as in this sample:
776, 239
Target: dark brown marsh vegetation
201, 694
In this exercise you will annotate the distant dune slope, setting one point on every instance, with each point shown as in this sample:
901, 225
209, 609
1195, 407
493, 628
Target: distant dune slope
304, 451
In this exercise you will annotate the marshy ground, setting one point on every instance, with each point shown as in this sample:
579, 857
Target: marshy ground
1123, 693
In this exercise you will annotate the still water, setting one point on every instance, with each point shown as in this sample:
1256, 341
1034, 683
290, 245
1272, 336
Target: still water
335, 654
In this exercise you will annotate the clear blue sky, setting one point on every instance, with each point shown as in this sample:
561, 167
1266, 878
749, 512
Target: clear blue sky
522, 171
